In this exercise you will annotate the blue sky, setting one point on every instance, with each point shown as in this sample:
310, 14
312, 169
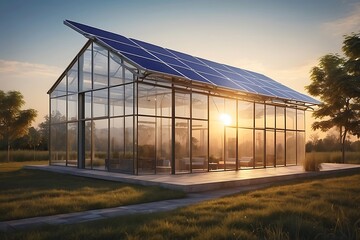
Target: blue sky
282, 39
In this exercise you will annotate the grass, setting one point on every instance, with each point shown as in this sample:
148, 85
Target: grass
321, 208
28, 193
24, 155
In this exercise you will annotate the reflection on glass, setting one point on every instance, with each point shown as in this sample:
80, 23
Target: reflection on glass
199, 106
100, 135
116, 70
182, 104
58, 109
246, 114
85, 66
270, 116
280, 117
280, 148
300, 119
290, 118
116, 101
290, 148
89, 142
72, 79
146, 145
100, 56
129, 99
230, 148
100, 103
216, 131
58, 144
199, 146
270, 148
88, 108
300, 147
72, 143
182, 145
259, 115
163, 102
146, 99
245, 148
117, 161
72, 107
163, 145
129, 141
259, 148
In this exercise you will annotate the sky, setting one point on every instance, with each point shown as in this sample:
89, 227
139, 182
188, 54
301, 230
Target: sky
282, 39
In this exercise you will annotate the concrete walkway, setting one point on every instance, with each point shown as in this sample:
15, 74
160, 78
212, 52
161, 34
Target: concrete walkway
238, 181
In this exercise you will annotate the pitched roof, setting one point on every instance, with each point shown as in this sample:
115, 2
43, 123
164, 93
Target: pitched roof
156, 59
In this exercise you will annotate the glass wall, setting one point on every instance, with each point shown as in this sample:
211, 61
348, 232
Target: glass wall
103, 118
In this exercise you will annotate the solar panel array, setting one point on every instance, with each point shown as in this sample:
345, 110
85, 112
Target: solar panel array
158, 59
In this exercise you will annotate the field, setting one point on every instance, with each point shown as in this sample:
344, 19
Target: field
24, 155
319, 208
29, 193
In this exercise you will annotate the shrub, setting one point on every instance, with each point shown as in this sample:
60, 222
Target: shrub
312, 163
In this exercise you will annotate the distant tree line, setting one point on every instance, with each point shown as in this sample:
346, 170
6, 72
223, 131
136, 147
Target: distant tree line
331, 143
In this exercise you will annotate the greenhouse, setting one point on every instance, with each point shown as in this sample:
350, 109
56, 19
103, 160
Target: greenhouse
124, 105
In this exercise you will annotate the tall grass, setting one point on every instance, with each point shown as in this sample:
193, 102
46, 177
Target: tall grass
323, 208
334, 157
24, 155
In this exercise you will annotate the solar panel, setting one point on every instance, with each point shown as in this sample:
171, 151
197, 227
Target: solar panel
162, 60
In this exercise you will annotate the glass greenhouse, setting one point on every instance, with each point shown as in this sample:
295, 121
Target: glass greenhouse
124, 105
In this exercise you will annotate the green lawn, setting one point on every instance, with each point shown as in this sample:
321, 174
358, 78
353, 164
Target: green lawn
28, 193
321, 208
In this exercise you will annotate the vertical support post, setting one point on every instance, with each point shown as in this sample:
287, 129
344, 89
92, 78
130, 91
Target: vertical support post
81, 131
172, 129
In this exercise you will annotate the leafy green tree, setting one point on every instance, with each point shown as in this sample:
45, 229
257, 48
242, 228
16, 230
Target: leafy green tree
14, 122
336, 81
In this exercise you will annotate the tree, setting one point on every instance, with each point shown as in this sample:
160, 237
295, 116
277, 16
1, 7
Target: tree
336, 81
14, 122
34, 138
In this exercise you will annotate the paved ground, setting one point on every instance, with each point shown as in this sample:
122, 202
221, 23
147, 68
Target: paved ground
235, 182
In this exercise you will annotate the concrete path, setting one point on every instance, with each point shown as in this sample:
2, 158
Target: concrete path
247, 184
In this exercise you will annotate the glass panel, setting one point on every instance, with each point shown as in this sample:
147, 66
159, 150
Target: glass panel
146, 99
290, 118
259, 148
199, 161
290, 148
116, 70
129, 76
88, 144
117, 101
270, 148
280, 148
100, 56
72, 107
246, 146
199, 106
182, 145
229, 116
146, 145
230, 148
163, 102
300, 147
72, 144
246, 114
280, 117
85, 66
259, 115
58, 144
100, 103
163, 145
88, 101
60, 89
117, 161
216, 131
100, 147
129, 143
182, 104
58, 109
270, 116
300, 119
129, 99
72, 77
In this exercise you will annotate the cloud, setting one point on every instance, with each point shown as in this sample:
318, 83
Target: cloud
347, 24
25, 69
